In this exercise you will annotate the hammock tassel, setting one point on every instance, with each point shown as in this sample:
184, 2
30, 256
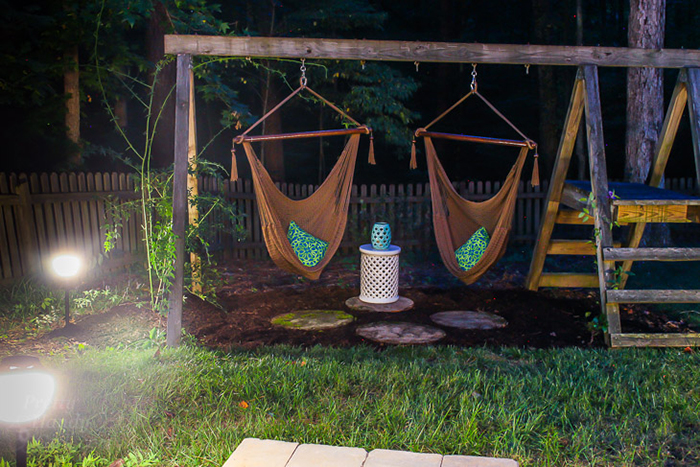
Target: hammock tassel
413, 164
371, 161
535, 180
234, 166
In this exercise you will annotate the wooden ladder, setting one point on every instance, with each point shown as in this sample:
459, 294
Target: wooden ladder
635, 205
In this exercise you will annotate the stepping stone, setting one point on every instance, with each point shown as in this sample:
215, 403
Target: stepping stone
319, 455
478, 320
313, 320
400, 333
254, 452
474, 461
387, 458
402, 304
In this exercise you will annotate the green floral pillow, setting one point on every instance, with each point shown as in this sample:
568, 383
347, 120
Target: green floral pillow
309, 249
472, 251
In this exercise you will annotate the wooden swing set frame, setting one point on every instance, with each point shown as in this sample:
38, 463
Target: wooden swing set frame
585, 99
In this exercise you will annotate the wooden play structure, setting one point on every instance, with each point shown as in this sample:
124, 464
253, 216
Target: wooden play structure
636, 205
633, 204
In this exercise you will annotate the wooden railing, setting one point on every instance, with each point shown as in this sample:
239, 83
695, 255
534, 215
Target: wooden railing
41, 214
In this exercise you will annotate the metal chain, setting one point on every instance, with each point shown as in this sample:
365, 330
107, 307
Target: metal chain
303, 73
472, 86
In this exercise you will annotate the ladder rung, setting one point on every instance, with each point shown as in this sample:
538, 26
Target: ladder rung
653, 296
651, 254
572, 218
570, 247
567, 279
654, 340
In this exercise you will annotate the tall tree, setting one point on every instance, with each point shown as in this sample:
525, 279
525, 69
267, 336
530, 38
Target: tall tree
645, 89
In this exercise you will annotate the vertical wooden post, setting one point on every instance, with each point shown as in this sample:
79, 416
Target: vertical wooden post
192, 187
694, 111
27, 228
182, 122
561, 166
599, 186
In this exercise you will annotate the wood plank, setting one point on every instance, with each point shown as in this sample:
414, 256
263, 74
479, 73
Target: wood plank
88, 246
571, 217
7, 246
49, 218
575, 198
192, 186
571, 247
669, 129
694, 112
654, 340
556, 184
440, 52
42, 246
653, 296
568, 279
599, 185
629, 214
95, 233
26, 229
652, 254
78, 239
182, 123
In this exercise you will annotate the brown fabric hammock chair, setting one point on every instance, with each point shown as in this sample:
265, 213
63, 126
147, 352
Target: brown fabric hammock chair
323, 214
456, 219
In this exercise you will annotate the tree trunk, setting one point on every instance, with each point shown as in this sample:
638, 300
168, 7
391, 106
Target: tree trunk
163, 140
548, 135
71, 88
645, 100
645, 89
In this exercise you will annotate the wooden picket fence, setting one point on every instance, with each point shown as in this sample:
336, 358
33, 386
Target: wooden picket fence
42, 214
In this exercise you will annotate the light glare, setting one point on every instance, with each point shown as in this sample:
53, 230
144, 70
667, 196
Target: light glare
25, 396
66, 265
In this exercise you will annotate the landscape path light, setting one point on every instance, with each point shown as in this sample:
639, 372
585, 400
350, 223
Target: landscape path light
26, 392
66, 267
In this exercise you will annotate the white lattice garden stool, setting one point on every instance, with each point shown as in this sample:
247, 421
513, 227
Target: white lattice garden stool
379, 274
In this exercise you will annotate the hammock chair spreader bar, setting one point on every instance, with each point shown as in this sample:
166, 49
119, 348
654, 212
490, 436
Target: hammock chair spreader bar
474, 139
304, 134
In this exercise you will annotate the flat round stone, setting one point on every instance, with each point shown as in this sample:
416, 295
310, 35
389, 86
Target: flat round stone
479, 320
400, 333
313, 320
402, 304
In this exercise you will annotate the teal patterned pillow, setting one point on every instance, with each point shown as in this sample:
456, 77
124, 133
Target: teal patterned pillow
472, 251
309, 249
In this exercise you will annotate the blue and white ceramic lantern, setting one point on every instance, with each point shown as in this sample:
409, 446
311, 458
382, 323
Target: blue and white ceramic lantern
381, 236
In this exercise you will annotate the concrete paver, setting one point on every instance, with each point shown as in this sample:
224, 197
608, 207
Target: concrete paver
319, 455
254, 452
388, 458
474, 461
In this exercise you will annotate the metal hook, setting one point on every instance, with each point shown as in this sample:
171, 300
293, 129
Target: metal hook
416, 64
527, 69
362, 62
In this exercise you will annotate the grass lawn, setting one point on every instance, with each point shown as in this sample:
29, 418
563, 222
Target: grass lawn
191, 406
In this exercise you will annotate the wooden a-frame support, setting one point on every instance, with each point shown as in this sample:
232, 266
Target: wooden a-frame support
185, 47
605, 211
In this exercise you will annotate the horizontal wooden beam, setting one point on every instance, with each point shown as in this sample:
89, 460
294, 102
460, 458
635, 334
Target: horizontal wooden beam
654, 340
473, 139
651, 254
571, 217
567, 279
443, 52
653, 296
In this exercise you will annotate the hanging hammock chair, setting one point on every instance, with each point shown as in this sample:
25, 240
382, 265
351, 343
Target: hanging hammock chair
315, 224
457, 222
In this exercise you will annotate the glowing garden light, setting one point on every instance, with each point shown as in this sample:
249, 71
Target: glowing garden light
26, 392
66, 267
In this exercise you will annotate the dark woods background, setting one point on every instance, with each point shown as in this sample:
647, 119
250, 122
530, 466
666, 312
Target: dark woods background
114, 46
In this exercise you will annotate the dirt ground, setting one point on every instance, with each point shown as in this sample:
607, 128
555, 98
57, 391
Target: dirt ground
253, 292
